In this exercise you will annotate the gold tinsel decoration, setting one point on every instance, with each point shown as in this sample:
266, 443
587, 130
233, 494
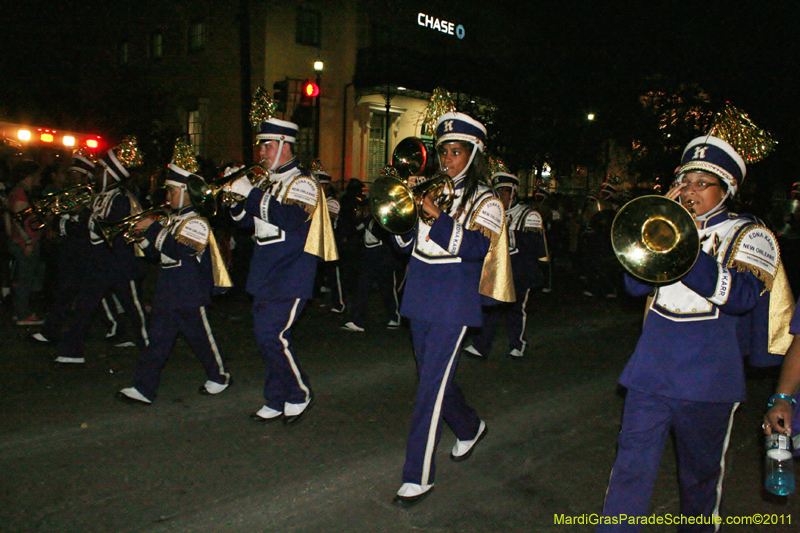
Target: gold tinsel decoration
733, 126
128, 152
262, 108
316, 166
183, 156
441, 103
496, 165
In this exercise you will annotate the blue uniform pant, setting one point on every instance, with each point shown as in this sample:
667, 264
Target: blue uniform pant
89, 298
702, 431
164, 329
285, 381
516, 320
438, 398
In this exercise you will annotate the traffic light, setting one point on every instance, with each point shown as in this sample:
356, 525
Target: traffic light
280, 95
311, 89
304, 113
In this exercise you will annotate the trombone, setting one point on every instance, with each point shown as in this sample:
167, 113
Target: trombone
655, 239
203, 195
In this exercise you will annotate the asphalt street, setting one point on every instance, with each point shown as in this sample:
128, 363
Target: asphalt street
73, 459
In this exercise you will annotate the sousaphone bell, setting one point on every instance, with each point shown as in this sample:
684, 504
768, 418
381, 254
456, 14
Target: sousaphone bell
655, 239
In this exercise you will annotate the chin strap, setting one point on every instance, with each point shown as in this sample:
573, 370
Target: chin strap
718, 207
277, 157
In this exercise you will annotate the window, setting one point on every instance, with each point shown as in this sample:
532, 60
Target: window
197, 35
377, 146
123, 53
157, 45
196, 131
304, 144
309, 27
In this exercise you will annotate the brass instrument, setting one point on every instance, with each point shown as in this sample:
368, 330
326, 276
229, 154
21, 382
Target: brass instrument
410, 158
655, 239
71, 200
204, 195
38, 220
59, 203
127, 226
395, 205
784, 219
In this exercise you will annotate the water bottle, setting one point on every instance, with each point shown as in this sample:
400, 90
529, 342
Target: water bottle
779, 470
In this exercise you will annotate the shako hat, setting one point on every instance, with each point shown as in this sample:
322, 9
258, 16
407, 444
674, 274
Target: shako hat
119, 159
714, 156
455, 126
184, 164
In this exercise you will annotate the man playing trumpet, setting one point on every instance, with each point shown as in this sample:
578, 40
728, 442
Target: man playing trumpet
184, 248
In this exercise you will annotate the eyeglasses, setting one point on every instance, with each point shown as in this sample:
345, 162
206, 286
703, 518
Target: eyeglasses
700, 185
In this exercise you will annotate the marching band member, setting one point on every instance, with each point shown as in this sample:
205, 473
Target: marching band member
527, 247
686, 374
184, 245
288, 214
450, 269
72, 251
109, 268
380, 265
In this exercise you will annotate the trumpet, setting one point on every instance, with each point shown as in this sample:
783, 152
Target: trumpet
395, 205
127, 226
204, 195
655, 239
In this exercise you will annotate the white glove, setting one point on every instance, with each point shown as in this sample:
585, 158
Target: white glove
232, 169
242, 186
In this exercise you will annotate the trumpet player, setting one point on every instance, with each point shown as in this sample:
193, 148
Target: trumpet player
444, 290
183, 292
686, 375
282, 273
72, 251
108, 268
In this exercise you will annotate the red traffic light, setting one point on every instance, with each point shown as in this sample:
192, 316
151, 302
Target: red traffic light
311, 89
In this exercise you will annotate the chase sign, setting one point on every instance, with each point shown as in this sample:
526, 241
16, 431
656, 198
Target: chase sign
449, 28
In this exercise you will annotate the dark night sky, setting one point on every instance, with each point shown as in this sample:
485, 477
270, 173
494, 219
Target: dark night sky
594, 53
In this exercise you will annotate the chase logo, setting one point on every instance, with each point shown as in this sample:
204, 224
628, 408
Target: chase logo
448, 28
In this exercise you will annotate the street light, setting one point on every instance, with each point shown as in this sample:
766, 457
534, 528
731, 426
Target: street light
318, 67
